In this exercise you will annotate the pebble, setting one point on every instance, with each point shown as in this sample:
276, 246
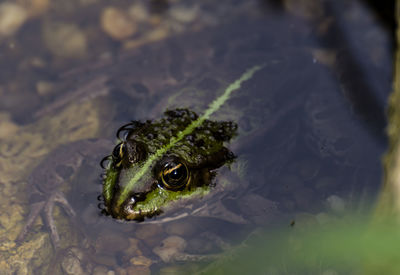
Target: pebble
65, 40
183, 14
180, 228
117, 23
137, 270
72, 263
138, 12
336, 203
44, 87
170, 247
156, 34
141, 260
102, 270
12, 17
37, 62
7, 127
151, 234
200, 246
133, 248
110, 242
35, 7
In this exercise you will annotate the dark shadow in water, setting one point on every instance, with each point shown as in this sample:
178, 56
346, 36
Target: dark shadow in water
366, 99
268, 4
158, 6
355, 78
385, 12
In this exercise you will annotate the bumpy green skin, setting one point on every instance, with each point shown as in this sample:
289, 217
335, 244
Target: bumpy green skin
202, 151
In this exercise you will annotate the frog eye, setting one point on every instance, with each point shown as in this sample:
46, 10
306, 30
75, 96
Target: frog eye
175, 175
118, 153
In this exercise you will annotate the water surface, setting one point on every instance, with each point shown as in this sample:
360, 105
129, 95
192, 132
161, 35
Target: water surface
315, 114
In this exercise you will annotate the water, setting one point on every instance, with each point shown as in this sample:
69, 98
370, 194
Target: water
312, 121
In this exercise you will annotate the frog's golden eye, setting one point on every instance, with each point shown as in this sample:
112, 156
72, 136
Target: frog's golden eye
175, 175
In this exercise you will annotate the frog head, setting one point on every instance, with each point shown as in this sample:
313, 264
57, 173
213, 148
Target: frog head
152, 171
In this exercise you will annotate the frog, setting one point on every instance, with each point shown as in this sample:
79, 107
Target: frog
183, 173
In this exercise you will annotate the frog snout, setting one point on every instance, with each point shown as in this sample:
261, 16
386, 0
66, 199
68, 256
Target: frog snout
128, 207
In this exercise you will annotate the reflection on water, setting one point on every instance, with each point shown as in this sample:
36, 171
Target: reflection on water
311, 123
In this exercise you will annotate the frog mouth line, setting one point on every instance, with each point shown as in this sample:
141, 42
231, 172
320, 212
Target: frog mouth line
153, 215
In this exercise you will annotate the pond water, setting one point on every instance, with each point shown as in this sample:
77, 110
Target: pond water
310, 137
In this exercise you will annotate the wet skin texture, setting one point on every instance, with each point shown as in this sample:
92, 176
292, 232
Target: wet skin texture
183, 173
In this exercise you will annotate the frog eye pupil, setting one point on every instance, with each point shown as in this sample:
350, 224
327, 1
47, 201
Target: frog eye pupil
177, 173
174, 176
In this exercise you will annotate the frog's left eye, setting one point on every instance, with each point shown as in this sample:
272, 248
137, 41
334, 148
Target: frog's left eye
175, 175
118, 153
